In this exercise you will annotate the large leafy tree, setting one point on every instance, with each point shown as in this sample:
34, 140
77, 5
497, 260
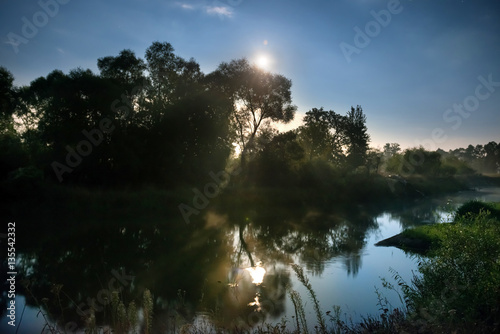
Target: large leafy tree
172, 77
336, 138
12, 155
65, 107
126, 68
257, 98
322, 135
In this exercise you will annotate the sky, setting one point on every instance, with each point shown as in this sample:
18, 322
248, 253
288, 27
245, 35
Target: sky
425, 72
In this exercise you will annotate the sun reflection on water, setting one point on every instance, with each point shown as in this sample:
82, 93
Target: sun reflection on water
257, 273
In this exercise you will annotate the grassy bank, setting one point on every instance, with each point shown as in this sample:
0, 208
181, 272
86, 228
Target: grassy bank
424, 239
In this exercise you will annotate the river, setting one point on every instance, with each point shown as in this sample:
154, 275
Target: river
231, 267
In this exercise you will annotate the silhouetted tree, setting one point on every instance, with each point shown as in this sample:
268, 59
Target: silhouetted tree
279, 160
321, 135
256, 96
356, 133
12, 154
126, 68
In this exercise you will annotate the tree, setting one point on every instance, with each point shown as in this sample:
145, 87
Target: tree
322, 135
7, 94
126, 68
391, 149
12, 154
357, 136
171, 76
374, 158
257, 97
278, 161
492, 158
336, 138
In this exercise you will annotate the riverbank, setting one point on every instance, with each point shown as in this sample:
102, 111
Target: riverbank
422, 239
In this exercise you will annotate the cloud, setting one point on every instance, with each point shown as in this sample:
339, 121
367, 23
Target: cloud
185, 6
219, 10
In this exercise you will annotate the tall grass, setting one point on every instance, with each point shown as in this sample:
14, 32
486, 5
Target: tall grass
305, 281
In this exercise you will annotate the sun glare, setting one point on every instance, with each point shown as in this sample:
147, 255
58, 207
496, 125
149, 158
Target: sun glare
257, 273
263, 62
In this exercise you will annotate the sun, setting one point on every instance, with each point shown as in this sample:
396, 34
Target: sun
263, 62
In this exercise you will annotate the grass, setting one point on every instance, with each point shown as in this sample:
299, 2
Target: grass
432, 234
427, 238
459, 289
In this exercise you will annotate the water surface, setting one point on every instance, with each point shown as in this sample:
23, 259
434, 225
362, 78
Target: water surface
231, 266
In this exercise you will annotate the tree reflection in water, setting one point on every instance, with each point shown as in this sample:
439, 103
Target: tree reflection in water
204, 268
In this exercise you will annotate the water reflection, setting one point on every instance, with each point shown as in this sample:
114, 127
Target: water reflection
232, 262
257, 273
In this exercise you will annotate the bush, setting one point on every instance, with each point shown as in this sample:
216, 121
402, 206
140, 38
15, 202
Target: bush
475, 207
460, 287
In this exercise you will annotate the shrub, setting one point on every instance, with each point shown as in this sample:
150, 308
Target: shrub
475, 207
460, 287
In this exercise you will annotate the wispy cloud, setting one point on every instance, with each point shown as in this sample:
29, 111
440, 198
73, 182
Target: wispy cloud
219, 10
185, 6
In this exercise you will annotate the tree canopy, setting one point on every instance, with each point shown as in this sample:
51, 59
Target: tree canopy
160, 120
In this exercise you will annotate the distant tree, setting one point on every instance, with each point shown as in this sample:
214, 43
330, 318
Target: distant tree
492, 158
374, 159
423, 162
357, 136
321, 135
342, 140
257, 97
391, 149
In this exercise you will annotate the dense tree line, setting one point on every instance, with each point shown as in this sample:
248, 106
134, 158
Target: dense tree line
483, 158
160, 120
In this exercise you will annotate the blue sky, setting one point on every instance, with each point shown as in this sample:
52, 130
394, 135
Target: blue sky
420, 73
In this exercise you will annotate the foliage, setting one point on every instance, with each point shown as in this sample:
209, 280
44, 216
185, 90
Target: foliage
341, 140
482, 158
305, 281
257, 98
428, 236
458, 289
476, 207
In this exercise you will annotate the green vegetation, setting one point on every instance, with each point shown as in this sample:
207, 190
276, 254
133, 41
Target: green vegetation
160, 121
86, 158
459, 287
